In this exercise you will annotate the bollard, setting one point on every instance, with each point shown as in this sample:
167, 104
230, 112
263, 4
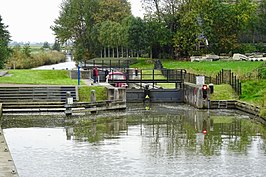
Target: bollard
211, 88
93, 96
93, 100
116, 94
68, 104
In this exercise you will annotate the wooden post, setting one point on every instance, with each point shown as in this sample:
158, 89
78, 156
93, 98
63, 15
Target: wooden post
116, 94
1, 112
235, 84
153, 78
240, 88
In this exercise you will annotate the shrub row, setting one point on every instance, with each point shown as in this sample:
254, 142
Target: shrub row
20, 61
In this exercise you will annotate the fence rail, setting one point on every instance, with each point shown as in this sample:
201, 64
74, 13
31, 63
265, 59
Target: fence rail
223, 77
191, 78
228, 77
150, 76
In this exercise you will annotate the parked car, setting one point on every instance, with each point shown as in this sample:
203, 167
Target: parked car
116, 75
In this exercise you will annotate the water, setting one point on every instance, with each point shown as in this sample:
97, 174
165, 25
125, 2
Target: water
68, 65
165, 141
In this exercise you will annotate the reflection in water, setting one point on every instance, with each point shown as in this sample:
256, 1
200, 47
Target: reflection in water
164, 141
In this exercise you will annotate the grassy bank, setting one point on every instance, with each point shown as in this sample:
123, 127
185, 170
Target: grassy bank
42, 77
223, 92
85, 92
52, 77
254, 91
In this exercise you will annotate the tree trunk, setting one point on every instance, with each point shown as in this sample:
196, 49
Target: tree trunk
113, 52
117, 52
151, 52
104, 52
122, 51
109, 52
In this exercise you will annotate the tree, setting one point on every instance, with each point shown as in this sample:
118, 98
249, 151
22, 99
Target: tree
82, 22
159, 37
224, 23
56, 46
113, 10
76, 23
137, 35
166, 13
220, 23
4, 40
26, 51
46, 45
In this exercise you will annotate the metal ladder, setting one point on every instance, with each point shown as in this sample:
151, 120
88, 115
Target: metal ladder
222, 104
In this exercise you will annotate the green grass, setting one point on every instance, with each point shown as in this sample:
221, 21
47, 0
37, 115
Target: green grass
167, 85
223, 92
206, 68
35, 49
254, 91
148, 75
84, 93
223, 119
42, 77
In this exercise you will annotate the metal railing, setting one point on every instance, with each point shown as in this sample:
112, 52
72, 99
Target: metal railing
228, 77
223, 77
150, 76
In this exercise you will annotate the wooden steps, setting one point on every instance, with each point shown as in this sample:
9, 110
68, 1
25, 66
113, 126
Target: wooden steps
36, 93
35, 99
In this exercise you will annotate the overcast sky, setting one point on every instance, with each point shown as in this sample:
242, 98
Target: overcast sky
30, 20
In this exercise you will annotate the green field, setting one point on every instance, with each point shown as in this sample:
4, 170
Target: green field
240, 68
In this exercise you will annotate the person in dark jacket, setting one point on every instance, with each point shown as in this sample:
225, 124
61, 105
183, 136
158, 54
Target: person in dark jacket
95, 74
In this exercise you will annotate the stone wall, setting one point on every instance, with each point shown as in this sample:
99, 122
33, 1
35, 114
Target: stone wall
84, 74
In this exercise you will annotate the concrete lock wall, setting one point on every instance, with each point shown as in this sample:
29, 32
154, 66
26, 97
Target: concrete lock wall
190, 94
156, 95
116, 93
193, 95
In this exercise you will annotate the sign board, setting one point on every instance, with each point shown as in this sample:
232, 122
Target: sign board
70, 100
200, 80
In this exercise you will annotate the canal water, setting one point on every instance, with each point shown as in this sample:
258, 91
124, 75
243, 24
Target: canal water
165, 141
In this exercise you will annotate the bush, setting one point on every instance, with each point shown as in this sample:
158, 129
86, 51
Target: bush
247, 48
20, 61
260, 47
262, 71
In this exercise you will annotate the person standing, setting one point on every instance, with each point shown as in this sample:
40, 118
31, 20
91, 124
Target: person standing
95, 74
